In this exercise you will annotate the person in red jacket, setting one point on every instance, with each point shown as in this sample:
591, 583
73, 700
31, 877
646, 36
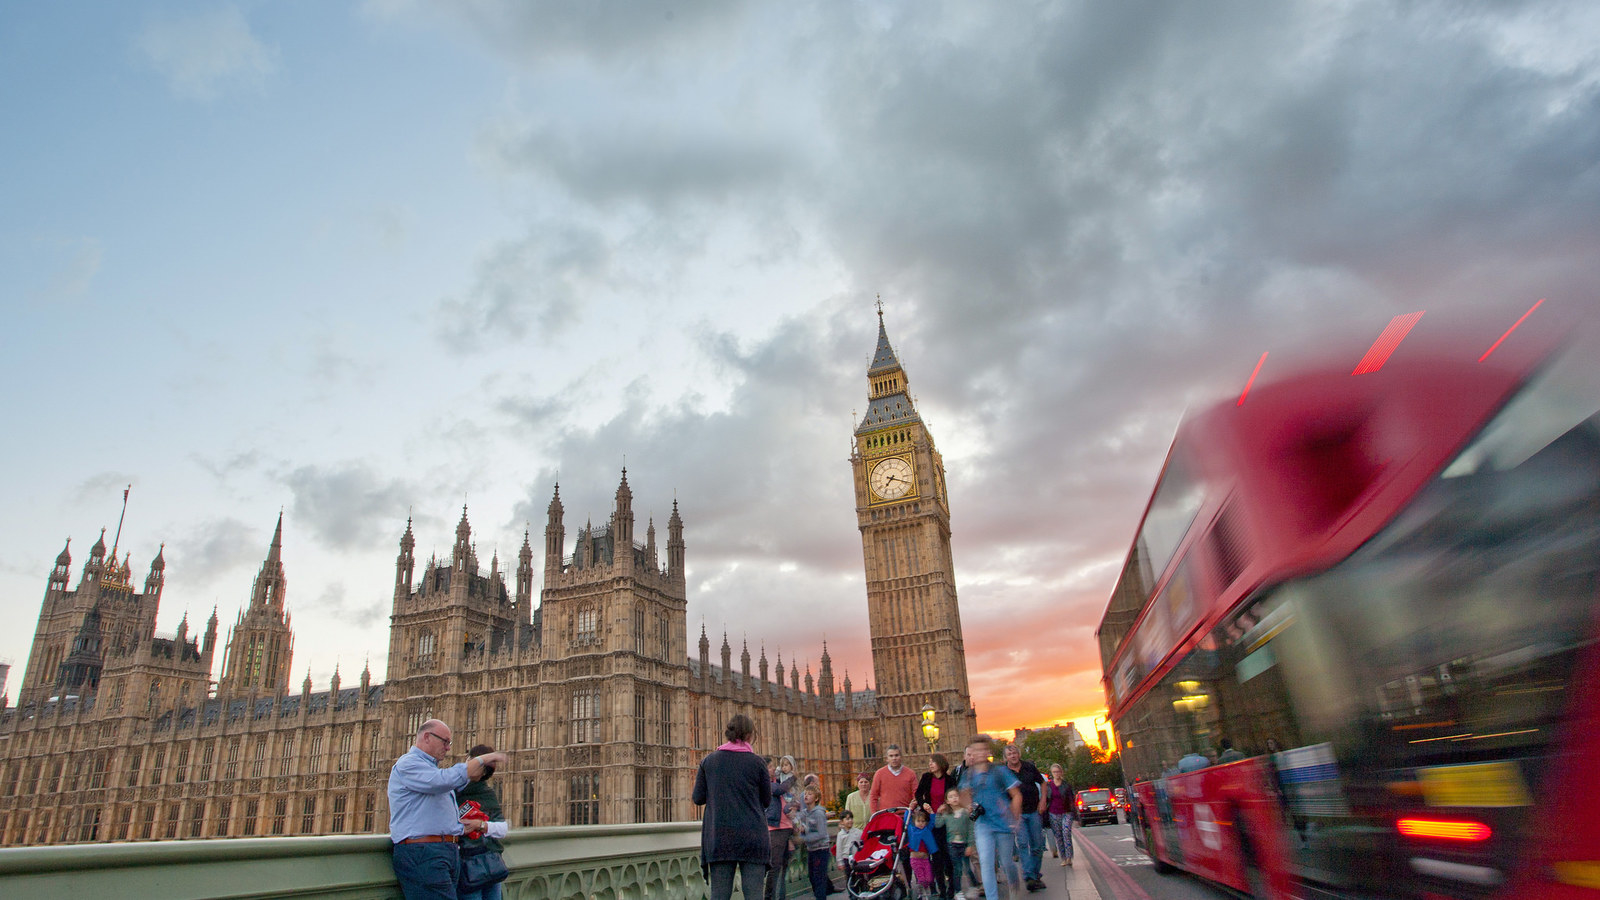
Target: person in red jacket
893, 785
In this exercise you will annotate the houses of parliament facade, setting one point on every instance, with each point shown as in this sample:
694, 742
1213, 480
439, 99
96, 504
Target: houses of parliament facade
118, 734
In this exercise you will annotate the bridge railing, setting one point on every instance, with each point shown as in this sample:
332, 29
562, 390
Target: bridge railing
604, 862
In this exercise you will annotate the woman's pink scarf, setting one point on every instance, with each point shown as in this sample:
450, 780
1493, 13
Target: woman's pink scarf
740, 746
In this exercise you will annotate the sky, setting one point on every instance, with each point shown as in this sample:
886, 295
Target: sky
361, 261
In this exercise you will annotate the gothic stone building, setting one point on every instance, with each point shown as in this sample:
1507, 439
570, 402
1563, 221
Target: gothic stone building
119, 734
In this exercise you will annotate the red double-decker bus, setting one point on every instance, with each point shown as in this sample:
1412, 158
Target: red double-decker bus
1353, 652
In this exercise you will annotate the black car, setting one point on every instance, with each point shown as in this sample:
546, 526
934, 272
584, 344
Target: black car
1095, 805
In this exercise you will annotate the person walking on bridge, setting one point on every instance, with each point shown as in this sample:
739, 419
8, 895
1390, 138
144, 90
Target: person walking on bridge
1056, 804
996, 801
733, 785
1030, 836
424, 825
894, 784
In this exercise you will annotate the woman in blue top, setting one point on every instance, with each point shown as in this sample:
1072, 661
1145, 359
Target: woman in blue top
995, 798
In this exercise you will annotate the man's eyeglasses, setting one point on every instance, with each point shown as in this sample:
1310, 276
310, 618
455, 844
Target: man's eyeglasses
435, 735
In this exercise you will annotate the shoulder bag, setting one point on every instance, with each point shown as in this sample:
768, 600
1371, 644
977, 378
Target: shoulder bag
480, 867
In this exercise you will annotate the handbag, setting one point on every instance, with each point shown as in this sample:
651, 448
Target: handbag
480, 867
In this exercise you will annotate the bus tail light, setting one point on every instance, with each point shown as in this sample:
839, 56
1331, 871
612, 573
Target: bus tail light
1444, 829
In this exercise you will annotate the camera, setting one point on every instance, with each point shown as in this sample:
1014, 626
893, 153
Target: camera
977, 811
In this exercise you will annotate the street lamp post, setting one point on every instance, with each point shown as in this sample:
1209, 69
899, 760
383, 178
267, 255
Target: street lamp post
930, 728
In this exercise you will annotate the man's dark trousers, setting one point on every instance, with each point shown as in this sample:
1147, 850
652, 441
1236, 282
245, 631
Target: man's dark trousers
428, 871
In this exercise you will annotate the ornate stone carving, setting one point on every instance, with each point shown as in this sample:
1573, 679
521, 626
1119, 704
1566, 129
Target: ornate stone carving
675, 878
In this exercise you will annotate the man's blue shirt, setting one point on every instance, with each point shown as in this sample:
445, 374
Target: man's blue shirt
422, 799
992, 789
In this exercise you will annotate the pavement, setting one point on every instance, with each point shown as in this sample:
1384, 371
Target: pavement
1072, 881
1063, 882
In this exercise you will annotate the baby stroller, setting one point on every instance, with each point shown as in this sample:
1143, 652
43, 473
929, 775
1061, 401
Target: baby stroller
874, 872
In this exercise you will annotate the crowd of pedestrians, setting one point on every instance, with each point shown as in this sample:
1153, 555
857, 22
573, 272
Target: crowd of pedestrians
758, 813
968, 830
971, 831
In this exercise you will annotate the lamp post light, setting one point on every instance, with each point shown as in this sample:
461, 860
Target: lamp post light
930, 728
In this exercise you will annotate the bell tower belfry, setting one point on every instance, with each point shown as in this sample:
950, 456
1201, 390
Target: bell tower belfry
903, 514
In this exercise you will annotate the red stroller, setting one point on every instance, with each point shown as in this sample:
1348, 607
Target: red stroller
874, 872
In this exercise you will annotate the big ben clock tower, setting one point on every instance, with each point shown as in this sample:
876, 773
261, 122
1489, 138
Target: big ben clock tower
904, 516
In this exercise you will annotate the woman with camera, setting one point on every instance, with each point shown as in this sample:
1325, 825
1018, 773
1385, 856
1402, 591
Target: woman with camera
995, 798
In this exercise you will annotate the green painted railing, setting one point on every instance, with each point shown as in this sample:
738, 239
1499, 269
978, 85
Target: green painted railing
603, 862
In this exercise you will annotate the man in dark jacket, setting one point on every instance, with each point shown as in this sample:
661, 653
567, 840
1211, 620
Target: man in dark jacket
732, 785
1030, 837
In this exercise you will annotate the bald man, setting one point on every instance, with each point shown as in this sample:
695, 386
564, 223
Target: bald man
424, 825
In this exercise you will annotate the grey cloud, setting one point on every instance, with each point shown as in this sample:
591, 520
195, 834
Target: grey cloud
1056, 204
103, 488
347, 506
64, 270
204, 54
214, 549
535, 413
764, 479
537, 282
334, 605
224, 469
660, 161
611, 32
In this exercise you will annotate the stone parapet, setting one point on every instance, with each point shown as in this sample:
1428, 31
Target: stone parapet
657, 861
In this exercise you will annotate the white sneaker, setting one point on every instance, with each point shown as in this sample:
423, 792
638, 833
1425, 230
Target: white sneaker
958, 896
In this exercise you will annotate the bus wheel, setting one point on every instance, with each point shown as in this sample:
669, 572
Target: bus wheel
1161, 866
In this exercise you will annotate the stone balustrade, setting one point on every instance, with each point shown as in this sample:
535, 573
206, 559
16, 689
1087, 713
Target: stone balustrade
602, 862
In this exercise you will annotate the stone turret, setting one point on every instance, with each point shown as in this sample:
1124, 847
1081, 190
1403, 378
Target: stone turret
555, 537
524, 597
825, 676
405, 565
675, 544
622, 526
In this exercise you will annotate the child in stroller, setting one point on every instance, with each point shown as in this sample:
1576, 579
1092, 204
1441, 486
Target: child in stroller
874, 871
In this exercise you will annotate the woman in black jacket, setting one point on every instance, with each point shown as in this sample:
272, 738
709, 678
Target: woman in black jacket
488, 799
931, 788
732, 785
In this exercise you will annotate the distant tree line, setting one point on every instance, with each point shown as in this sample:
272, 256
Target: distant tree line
1085, 766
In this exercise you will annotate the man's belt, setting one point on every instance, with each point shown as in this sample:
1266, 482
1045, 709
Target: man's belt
432, 839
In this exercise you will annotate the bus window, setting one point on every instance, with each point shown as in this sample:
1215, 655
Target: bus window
1178, 717
1177, 500
1258, 711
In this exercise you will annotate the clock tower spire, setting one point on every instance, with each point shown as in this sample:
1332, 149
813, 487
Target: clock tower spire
903, 514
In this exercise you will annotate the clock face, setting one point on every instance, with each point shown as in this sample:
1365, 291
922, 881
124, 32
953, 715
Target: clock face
891, 478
